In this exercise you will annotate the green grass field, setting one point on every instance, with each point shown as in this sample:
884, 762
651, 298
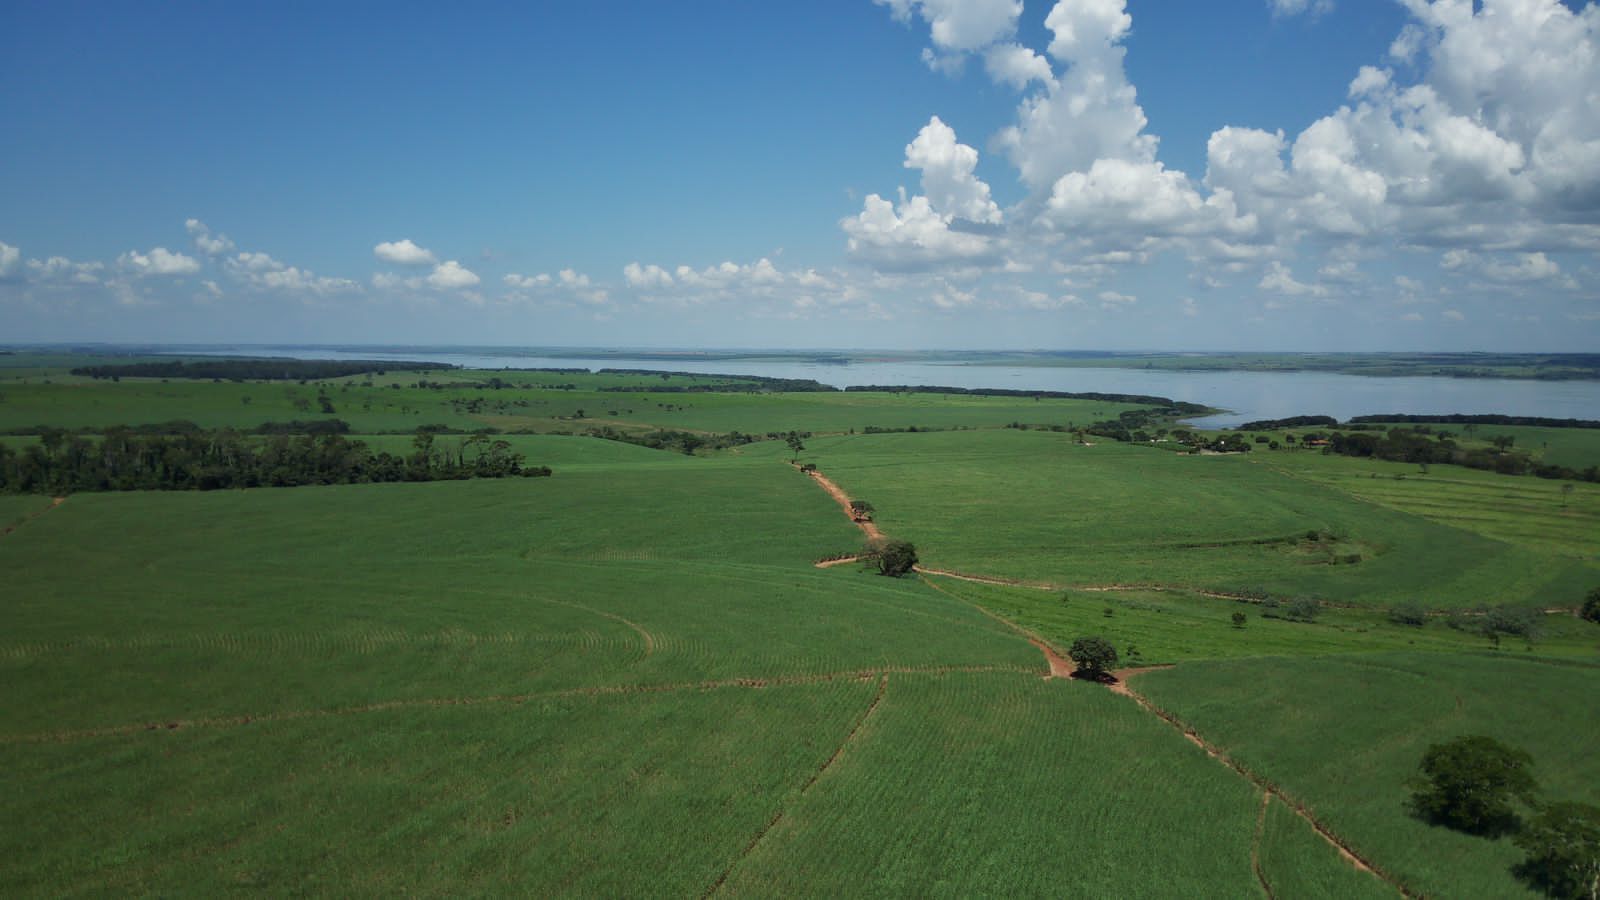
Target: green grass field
630, 679
393, 404
1181, 626
1342, 735
1037, 506
1532, 513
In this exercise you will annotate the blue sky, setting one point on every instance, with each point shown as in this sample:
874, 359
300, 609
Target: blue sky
1253, 174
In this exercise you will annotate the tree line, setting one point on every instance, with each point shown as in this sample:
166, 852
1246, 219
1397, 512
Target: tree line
725, 383
1457, 419
254, 369
126, 460
1422, 447
1168, 406
685, 442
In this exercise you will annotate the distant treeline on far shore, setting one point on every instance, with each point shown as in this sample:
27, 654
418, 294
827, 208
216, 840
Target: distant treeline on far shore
257, 369
1405, 419
1182, 407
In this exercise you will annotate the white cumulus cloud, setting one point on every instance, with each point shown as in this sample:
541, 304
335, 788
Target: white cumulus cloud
451, 275
205, 241
10, 262
159, 261
959, 25
404, 253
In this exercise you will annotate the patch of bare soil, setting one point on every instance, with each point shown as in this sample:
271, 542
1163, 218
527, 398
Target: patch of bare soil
1059, 666
989, 579
870, 529
843, 560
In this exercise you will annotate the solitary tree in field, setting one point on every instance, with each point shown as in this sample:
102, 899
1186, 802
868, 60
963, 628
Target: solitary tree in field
1469, 784
1591, 606
894, 558
1566, 491
1094, 657
1563, 847
795, 446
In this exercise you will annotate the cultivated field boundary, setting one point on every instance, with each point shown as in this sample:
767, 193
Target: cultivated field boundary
745, 683
883, 687
1063, 668
54, 502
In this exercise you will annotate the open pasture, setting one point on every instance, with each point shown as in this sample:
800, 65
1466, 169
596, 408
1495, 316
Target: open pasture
565, 685
1341, 735
1534, 513
990, 785
529, 402
629, 678
575, 795
1181, 626
248, 602
1037, 506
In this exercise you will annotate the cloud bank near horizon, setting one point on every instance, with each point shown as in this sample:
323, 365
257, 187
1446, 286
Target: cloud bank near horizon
1459, 178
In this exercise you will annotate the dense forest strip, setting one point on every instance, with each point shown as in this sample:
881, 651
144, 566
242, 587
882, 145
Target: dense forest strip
62, 463
883, 685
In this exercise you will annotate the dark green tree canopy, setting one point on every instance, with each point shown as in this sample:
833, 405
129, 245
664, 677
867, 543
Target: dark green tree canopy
1094, 656
1470, 784
1563, 847
1591, 606
894, 558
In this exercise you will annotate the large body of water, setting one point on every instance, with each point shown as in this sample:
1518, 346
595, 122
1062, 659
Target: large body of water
1247, 395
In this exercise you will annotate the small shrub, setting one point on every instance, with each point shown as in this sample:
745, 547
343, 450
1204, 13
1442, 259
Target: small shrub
1413, 614
1239, 619
1591, 606
1303, 609
1519, 621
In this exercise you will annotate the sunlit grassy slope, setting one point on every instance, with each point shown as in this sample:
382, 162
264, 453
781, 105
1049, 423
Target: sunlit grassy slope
1034, 505
1343, 735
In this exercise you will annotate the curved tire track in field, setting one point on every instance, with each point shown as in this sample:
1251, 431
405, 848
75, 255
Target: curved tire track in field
1255, 847
644, 634
54, 502
750, 683
883, 685
1268, 788
1059, 667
